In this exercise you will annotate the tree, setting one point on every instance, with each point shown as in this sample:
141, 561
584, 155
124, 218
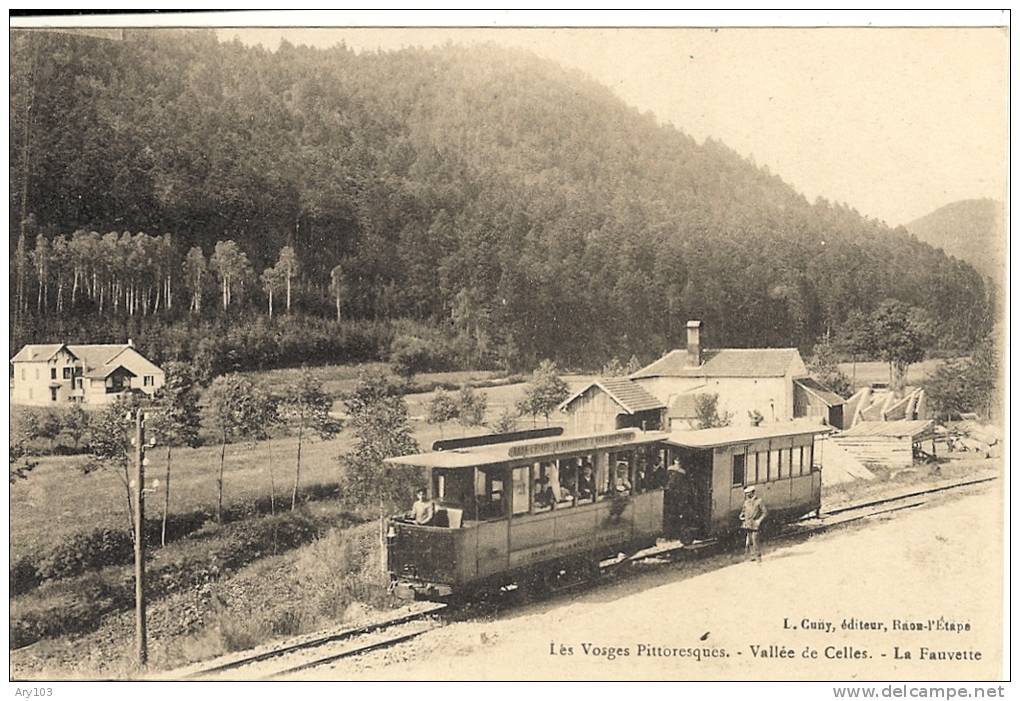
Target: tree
338, 287
614, 368
441, 408
308, 407
255, 414
287, 269
231, 266
506, 422
271, 279
544, 393
76, 422
965, 384
230, 398
176, 423
194, 273
409, 355
378, 417
825, 369
21, 462
110, 446
901, 334
856, 337
706, 409
471, 406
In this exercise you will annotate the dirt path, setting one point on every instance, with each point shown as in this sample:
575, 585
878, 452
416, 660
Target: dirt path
938, 562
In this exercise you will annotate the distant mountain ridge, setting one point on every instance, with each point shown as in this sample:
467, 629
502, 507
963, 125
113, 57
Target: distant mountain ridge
972, 230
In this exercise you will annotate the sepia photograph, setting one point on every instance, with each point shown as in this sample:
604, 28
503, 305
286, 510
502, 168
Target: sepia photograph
509, 346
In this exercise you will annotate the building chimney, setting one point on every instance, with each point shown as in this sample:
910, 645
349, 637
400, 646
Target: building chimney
131, 344
693, 343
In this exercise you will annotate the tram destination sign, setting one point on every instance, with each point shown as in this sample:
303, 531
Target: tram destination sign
572, 445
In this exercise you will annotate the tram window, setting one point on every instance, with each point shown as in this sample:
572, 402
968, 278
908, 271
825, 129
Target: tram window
789, 464
782, 469
620, 475
585, 481
565, 483
811, 459
775, 456
542, 496
759, 466
603, 485
800, 460
738, 468
490, 493
521, 486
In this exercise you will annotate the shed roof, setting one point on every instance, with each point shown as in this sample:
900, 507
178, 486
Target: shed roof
725, 362
631, 396
819, 390
713, 437
890, 429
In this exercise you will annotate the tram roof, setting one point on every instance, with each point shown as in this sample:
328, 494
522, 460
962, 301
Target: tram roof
532, 448
726, 435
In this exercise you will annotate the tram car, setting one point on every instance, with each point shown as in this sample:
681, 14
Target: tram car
526, 510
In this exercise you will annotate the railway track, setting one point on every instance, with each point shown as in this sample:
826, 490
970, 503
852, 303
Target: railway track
320, 649
310, 651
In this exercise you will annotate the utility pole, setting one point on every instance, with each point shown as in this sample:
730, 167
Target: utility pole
140, 635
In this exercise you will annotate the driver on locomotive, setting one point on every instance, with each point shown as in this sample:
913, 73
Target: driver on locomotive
423, 510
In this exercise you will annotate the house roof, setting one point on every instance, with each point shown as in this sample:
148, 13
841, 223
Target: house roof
105, 371
37, 352
712, 437
816, 388
724, 362
889, 429
95, 355
92, 354
625, 392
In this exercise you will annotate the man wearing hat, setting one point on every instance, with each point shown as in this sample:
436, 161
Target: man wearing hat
675, 499
751, 516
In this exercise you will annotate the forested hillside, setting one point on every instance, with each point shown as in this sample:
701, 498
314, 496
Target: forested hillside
971, 230
481, 193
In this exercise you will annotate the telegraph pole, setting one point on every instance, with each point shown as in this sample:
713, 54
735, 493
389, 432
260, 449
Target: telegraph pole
140, 635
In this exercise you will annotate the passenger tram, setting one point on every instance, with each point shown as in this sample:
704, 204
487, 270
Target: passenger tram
513, 512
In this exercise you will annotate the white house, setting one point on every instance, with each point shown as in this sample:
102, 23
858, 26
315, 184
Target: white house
57, 373
772, 383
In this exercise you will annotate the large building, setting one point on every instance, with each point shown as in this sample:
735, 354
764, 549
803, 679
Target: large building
753, 385
57, 373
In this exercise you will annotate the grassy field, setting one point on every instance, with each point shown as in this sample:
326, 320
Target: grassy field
57, 500
877, 371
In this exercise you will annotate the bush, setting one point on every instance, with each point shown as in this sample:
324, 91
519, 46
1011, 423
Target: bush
471, 407
24, 576
85, 551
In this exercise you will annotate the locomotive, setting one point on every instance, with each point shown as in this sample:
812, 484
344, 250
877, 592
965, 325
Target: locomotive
512, 510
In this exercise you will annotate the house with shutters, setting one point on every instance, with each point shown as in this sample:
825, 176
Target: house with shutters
91, 374
766, 385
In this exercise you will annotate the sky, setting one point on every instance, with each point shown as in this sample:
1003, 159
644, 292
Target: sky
896, 122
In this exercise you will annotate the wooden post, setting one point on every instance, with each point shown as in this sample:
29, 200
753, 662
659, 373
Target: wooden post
140, 633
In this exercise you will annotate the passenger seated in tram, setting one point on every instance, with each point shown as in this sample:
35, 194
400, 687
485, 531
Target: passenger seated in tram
622, 482
567, 480
586, 483
544, 496
423, 511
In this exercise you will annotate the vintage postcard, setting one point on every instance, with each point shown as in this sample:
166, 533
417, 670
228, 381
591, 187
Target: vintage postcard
497, 347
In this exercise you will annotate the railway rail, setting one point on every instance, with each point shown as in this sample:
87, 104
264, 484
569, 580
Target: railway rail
320, 649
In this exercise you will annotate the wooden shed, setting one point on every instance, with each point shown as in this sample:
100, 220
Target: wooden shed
612, 403
886, 443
